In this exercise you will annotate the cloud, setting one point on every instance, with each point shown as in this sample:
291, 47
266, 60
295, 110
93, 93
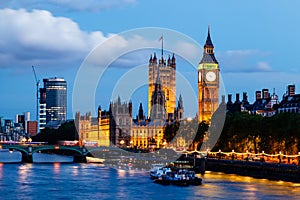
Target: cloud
263, 67
248, 60
38, 36
66, 5
239, 53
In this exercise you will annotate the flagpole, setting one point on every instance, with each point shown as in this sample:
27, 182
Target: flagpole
162, 45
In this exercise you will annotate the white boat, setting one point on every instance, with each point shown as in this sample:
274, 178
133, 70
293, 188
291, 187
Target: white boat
155, 167
158, 171
7, 156
51, 158
94, 160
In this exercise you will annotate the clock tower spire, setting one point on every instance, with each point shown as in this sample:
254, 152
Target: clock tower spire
208, 82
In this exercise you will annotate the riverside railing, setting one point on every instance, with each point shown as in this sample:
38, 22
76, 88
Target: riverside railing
248, 156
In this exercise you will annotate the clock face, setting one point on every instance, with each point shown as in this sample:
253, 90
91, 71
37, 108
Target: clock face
210, 76
199, 76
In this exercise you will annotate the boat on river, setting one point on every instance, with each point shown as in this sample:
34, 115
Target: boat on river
180, 177
158, 170
94, 160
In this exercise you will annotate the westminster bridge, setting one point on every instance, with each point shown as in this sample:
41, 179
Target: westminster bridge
27, 149
111, 156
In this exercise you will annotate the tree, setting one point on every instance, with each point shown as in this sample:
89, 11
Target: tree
66, 131
170, 131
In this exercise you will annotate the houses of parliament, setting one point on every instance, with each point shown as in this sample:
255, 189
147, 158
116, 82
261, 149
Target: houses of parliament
119, 127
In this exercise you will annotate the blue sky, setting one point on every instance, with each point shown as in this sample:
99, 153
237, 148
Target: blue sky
256, 42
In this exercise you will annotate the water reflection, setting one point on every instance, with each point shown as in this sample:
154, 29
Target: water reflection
56, 168
75, 171
24, 177
1, 170
249, 187
121, 173
91, 181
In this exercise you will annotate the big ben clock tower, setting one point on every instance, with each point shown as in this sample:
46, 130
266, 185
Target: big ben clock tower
208, 82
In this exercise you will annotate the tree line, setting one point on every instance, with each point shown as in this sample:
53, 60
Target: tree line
66, 131
246, 132
242, 132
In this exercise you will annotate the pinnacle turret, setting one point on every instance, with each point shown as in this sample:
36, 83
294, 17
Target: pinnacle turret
208, 42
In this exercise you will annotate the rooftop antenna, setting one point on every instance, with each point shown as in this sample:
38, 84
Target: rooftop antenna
37, 82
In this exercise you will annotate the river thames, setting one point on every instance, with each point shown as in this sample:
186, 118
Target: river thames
95, 181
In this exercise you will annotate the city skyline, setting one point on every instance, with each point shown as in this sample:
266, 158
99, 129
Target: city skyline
254, 55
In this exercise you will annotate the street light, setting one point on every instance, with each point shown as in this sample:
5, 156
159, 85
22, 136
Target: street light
207, 153
122, 142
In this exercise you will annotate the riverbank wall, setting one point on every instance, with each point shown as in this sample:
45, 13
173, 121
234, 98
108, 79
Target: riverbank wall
263, 170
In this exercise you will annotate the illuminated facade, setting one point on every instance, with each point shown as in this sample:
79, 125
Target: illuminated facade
167, 72
96, 130
142, 132
121, 121
138, 132
208, 82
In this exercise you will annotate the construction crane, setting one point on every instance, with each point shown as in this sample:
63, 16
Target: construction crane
37, 82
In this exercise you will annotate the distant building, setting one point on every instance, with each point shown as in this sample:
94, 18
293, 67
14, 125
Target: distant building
53, 103
94, 130
0, 124
290, 102
264, 104
32, 128
121, 122
7, 130
23, 119
20, 123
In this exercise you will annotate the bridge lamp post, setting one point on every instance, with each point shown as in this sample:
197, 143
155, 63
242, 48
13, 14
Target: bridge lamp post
164, 144
83, 150
24, 140
29, 150
122, 143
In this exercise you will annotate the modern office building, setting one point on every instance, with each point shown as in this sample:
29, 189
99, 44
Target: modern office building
23, 119
53, 103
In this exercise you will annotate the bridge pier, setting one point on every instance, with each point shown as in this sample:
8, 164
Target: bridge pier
80, 159
27, 158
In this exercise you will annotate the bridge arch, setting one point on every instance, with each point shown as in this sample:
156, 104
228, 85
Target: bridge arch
23, 150
57, 148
